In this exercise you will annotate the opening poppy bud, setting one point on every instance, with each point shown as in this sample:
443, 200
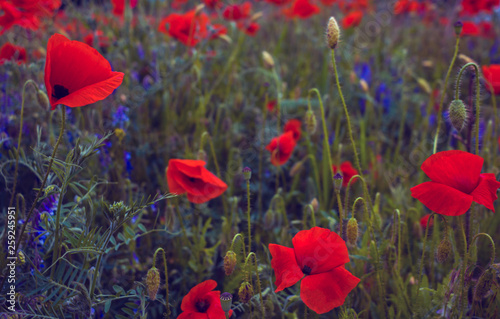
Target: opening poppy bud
332, 33
153, 282
226, 300
268, 59
458, 114
202, 155
245, 292
444, 250
458, 27
483, 284
311, 122
338, 178
42, 99
229, 262
315, 204
352, 231
247, 173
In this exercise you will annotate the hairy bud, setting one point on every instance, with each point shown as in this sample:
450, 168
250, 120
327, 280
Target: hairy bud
245, 292
230, 262
332, 33
483, 284
458, 114
352, 231
444, 250
311, 122
153, 282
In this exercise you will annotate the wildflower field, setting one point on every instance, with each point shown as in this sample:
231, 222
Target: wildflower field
218, 159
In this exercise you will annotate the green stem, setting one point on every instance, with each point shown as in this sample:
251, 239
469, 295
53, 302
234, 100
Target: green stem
251, 254
216, 163
341, 213
492, 245
248, 218
420, 272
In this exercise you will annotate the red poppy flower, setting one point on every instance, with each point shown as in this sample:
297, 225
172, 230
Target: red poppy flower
9, 51
13, 16
191, 177
271, 105
76, 74
424, 220
281, 148
348, 171
470, 28
212, 4
294, 127
302, 9
353, 19
249, 28
278, 2
473, 7
456, 182
318, 257
237, 11
492, 76
406, 6
119, 6
202, 302
189, 28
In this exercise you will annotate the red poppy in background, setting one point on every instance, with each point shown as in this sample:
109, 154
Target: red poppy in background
353, 19
213, 4
119, 6
456, 182
348, 171
492, 76
191, 177
406, 6
271, 105
293, 126
318, 257
9, 52
302, 9
189, 28
281, 148
13, 16
472, 7
278, 2
76, 74
470, 28
249, 28
424, 220
202, 302
237, 12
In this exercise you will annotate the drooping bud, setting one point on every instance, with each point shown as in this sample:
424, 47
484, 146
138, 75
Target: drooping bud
226, 300
268, 59
483, 284
458, 27
352, 231
458, 114
230, 262
245, 292
153, 282
247, 173
444, 250
311, 122
332, 33
296, 168
43, 100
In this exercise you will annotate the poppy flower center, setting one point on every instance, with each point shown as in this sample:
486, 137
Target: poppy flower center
60, 91
306, 270
202, 305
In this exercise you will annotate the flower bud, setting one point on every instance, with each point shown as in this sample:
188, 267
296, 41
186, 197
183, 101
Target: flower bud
268, 59
247, 173
315, 204
230, 262
245, 292
43, 100
458, 114
296, 168
332, 33
458, 27
483, 284
202, 155
352, 231
444, 250
226, 300
153, 282
311, 122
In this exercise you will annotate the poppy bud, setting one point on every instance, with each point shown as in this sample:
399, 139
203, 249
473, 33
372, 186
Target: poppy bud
458, 114
352, 231
483, 284
229, 262
202, 155
268, 59
458, 27
443, 251
245, 292
311, 122
315, 204
43, 100
153, 282
332, 33
226, 300
337, 178
296, 168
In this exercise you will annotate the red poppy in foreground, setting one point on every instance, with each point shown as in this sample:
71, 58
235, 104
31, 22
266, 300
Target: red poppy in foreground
492, 76
318, 257
9, 51
76, 74
281, 148
191, 177
456, 182
202, 302
347, 171
294, 127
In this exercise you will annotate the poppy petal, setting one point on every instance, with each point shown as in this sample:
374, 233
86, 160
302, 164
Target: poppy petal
193, 315
457, 169
197, 292
486, 192
325, 291
442, 199
285, 266
320, 250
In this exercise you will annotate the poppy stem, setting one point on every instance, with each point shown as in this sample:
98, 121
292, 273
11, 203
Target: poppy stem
166, 276
19, 138
261, 152
310, 208
248, 218
240, 236
420, 271
463, 270
204, 136
439, 119
492, 260
341, 213
256, 269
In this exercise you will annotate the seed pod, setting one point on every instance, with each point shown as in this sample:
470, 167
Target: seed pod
230, 262
332, 33
483, 284
226, 300
458, 27
352, 231
337, 179
153, 282
43, 100
458, 114
247, 173
444, 250
245, 292
311, 122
